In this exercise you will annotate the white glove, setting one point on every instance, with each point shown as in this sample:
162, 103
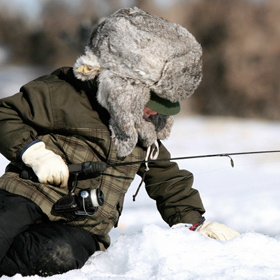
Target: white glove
217, 231
48, 166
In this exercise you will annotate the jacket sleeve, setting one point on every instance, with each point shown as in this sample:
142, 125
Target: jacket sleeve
23, 116
172, 189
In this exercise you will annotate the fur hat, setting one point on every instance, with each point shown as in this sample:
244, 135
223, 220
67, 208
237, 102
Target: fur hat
134, 53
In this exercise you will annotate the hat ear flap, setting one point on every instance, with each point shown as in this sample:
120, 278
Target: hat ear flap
124, 99
86, 66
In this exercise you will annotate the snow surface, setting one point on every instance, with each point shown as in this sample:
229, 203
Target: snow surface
245, 198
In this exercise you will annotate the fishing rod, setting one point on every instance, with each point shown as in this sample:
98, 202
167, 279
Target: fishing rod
88, 200
93, 167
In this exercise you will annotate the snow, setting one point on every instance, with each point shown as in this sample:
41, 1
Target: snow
245, 198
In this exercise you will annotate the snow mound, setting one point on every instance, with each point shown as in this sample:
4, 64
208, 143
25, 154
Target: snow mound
160, 253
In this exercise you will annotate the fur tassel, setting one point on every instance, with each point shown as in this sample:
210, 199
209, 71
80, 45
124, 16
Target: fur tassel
87, 66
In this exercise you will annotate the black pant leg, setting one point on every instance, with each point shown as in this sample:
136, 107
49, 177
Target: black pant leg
17, 213
47, 249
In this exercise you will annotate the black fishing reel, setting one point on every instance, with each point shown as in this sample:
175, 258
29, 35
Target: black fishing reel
88, 200
85, 203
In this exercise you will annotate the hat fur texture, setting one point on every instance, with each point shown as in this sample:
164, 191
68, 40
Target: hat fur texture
134, 53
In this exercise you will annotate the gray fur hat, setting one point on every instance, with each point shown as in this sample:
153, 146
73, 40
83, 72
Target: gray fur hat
134, 53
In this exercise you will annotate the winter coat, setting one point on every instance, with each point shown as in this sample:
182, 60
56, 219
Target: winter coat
63, 112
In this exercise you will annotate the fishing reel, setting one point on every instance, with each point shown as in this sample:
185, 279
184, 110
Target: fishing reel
87, 201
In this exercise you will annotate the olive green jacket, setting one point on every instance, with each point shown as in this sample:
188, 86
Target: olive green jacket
64, 113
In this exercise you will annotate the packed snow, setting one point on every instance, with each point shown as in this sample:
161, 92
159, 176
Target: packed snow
245, 198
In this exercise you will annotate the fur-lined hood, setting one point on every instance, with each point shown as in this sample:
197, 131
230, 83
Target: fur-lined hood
134, 53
